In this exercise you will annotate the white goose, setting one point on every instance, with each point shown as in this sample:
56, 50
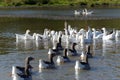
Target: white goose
25, 36
76, 12
85, 12
97, 34
109, 36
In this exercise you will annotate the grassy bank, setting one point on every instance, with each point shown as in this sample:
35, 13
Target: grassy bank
44, 3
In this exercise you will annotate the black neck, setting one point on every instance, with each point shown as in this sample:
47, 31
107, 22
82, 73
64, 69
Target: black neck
73, 47
51, 58
27, 66
86, 59
65, 53
60, 40
88, 49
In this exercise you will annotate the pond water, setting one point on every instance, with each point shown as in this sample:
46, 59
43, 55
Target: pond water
104, 65
61, 14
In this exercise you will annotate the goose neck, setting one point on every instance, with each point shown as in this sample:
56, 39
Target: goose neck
51, 58
65, 53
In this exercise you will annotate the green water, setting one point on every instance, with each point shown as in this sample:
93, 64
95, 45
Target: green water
15, 25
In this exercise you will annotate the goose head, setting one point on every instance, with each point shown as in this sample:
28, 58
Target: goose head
73, 46
28, 67
29, 58
27, 31
93, 29
104, 29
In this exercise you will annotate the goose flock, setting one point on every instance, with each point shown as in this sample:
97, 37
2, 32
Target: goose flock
64, 45
83, 12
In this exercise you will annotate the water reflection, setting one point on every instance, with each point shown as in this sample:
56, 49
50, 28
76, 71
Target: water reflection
114, 13
32, 44
97, 43
25, 44
42, 76
117, 49
65, 71
77, 73
108, 47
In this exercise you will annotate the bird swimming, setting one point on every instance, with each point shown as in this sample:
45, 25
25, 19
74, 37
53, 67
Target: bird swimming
23, 72
47, 64
64, 58
83, 63
73, 50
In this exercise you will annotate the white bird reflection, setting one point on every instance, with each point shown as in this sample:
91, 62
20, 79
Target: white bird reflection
108, 47
31, 44
77, 77
117, 49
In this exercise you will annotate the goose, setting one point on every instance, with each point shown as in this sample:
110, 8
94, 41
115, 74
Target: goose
37, 37
55, 49
59, 45
47, 64
97, 34
82, 64
64, 58
86, 38
67, 31
89, 34
76, 12
109, 36
24, 36
22, 72
73, 50
85, 12
27, 69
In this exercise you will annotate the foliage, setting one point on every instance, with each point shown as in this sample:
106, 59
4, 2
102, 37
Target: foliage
90, 3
